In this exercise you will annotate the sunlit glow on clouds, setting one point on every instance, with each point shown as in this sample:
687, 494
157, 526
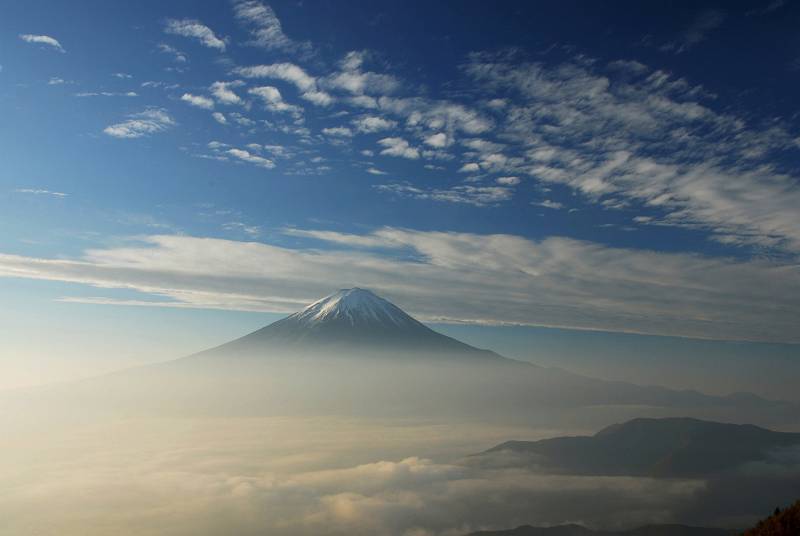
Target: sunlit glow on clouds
242, 156
455, 277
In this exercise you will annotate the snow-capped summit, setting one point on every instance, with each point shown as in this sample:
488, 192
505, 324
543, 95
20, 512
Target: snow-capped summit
349, 321
355, 306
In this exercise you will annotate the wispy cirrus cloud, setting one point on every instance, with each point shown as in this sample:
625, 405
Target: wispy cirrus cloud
265, 28
195, 30
39, 191
273, 100
547, 203
198, 101
455, 277
46, 40
224, 94
704, 23
479, 196
369, 124
715, 172
353, 79
106, 94
177, 55
293, 74
150, 121
250, 158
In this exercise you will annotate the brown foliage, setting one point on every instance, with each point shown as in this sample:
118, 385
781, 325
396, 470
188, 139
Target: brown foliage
784, 522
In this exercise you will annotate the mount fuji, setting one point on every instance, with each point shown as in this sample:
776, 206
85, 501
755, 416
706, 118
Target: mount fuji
351, 321
355, 353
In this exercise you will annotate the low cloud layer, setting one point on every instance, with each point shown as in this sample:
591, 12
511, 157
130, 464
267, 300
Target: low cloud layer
314, 477
452, 277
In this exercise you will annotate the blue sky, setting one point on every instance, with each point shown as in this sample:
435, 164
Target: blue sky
196, 169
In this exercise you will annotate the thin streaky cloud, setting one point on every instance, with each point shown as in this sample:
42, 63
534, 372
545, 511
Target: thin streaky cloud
195, 30
37, 191
51, 42
577, 284
265, 28
696, 32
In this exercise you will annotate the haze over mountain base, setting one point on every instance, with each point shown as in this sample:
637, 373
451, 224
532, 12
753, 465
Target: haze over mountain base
315, 425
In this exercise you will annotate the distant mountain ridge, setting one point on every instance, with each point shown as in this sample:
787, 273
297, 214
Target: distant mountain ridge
668, 447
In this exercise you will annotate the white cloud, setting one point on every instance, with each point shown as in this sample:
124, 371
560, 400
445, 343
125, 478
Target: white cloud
478, 196
250, 158
547, 203
55, 81
353, 80
219, 117
247, 476
508, 181
288, 72
293, 74
241, 119
106, 94
375, 171
273, 100
198, 101
223, 93
42, 40
177, 55
252, 231
398, 147
197, 30
437, 140
150, 121
438, 115
498, 279
341, 132
368, 124
470, 167
123, 76
320, 98
38, 191
714, 172
265, 27
697, 31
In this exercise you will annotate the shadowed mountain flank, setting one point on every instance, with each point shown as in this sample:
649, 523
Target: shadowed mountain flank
669, 447
783, 522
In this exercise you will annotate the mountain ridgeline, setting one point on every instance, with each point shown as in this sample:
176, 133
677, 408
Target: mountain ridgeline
670, 447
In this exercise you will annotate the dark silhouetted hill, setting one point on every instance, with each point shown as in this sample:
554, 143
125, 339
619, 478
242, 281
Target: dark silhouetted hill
669, 447
782, 523
578, 530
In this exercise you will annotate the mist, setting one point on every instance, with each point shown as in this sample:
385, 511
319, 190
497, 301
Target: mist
346, 443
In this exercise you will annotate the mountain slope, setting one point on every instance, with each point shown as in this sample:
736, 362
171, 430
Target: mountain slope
350, 321
784, 522
355, 353
669, 447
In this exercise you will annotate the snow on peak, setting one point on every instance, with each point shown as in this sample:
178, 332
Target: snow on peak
355, 306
